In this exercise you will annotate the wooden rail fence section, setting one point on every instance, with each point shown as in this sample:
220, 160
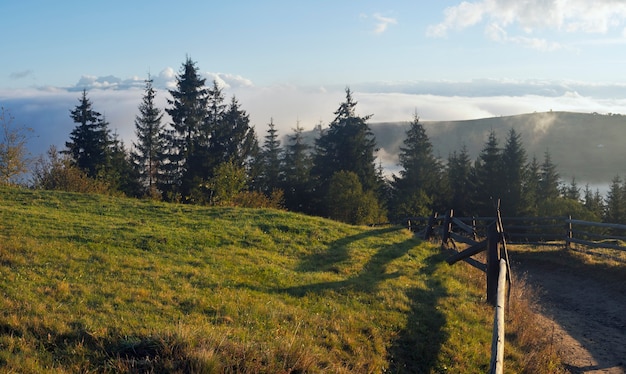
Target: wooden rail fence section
496, 268
555, 231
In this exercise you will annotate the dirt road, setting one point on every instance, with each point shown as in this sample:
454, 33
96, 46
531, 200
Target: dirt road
586, 317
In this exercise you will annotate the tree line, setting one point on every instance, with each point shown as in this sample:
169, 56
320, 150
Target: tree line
208, 153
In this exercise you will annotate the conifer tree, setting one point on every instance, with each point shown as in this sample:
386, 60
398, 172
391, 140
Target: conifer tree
347, 145
572, 191
270, 161
420, 174
89, 140
532, 186
149, 149
550, 180
514, 200
239, 143
188, 112
615, 206
297, 163
459, 174
593, 202
121, 172
488, 170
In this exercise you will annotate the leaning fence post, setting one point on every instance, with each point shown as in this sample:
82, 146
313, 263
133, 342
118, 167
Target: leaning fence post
493, 263
497, 342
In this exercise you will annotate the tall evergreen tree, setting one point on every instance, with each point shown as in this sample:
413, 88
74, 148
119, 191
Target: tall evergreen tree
593, 202
270, 159
532, 186
215, 131
615, 206
149, 148
514, 200
420, 174
550, 180
459, 173
347, 145
121, 172
239, 142
572, 191
297, 163
89, 140
188, 112
488, 170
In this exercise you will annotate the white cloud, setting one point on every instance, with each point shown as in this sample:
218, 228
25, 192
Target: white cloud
532, 16
229, 80
383, 23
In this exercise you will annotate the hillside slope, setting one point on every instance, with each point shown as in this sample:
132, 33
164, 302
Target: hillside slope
587, 146
94, 283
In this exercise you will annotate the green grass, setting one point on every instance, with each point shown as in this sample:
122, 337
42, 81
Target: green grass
99, 284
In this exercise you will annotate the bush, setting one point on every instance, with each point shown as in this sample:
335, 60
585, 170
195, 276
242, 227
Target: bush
347, 202
57, 173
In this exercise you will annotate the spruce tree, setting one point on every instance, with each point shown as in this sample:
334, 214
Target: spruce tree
297, 163
514, 200
420, 174
270, 161
550, 180
615, 206
459, 173
89, 140
121, 172
488, 171
593, 202
216, 130
188, 112
148, 150
238, 141
532, 186
572, 191
348, 145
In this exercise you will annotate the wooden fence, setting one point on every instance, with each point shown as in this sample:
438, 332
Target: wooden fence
496, 268
559, 231
546, 231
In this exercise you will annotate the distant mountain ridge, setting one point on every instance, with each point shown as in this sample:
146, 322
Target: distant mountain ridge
588, 146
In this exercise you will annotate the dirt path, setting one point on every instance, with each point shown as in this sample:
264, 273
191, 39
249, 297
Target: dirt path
586, 317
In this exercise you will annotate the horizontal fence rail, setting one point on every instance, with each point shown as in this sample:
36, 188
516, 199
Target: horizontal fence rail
528, 230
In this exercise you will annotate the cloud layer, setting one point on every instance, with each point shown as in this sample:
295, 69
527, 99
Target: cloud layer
47, 109
520, 21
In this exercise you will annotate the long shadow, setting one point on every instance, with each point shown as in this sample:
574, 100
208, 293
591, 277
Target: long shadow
337, 251
417, 347
372, 274
586, 300
418, 344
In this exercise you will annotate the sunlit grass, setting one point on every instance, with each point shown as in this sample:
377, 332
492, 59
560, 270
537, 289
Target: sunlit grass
94, 283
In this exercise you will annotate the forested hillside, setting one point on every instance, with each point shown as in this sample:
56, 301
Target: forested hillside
587, 146
202, 149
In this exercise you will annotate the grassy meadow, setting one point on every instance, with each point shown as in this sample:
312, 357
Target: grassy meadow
92, 283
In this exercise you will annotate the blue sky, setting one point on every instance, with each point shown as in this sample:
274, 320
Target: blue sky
291, 60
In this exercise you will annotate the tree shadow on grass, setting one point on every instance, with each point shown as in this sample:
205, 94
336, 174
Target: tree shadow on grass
372, 273
338, 251
418, 345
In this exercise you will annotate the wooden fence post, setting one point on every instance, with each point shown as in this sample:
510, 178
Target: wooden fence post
447, 227
497, 342
429, 228
569, 234
493, 263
